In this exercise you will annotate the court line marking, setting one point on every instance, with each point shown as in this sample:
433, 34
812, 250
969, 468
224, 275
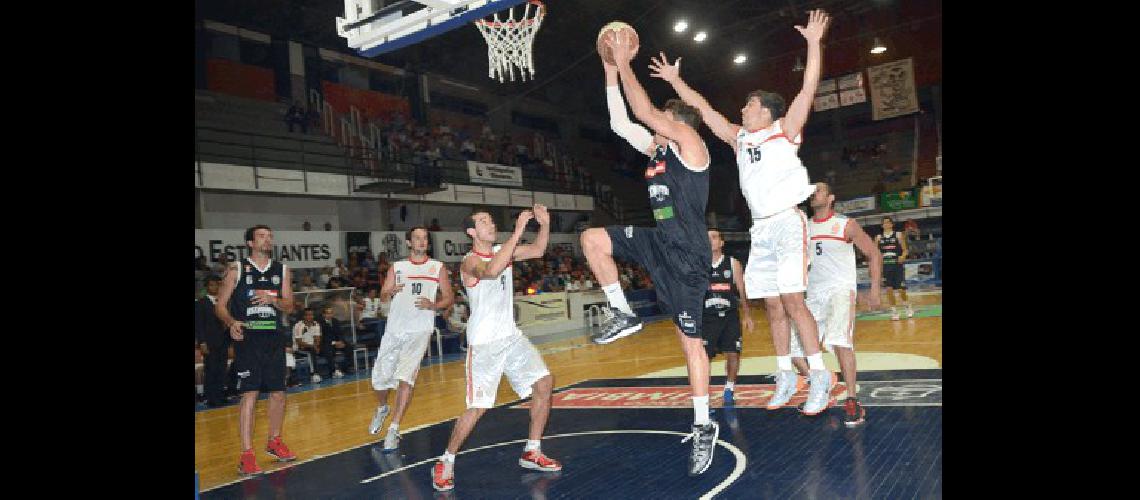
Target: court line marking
370, 443
737, 471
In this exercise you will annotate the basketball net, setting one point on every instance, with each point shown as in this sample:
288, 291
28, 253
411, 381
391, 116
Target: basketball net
510, 42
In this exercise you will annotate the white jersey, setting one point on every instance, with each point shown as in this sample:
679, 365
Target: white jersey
492, 304
419, 280
772, 177
832, 255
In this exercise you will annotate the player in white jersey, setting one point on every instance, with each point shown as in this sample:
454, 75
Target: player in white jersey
417, 287
831, 289
496, 346
774, 181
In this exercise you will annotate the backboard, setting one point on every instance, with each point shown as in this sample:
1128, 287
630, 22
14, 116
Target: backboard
373, 28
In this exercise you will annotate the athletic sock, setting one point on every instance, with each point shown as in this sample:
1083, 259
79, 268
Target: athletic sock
617, 297
447, 457
701, 410
729, 385
783, 363
815, 362
533, 445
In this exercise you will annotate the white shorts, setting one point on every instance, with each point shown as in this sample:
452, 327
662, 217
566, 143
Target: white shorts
514, 357
399, 358
778, 259
290, 361
834, 313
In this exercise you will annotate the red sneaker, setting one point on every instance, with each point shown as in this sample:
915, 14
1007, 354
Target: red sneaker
534, 459
278, 449
437, 480
247, 464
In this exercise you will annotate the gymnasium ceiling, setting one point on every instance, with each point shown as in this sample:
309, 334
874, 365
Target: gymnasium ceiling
568, 69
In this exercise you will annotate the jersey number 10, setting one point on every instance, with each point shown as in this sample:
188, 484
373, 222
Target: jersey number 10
417, 288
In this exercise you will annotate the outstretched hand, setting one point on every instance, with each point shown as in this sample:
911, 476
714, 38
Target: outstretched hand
818, 21
621, 46
663, 70
541, 214
524, 217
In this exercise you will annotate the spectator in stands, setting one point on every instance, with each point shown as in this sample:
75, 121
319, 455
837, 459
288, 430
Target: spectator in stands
307, 338
434, 225
201, 272
457, 320
332, 343
219, 269
313, 118
468, 150
213, 341
296, 116
307, 283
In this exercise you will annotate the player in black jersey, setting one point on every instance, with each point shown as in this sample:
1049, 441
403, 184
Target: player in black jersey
893, 246
723, 308
256, 294
676, 252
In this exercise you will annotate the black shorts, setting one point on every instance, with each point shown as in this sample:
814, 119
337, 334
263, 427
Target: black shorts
259, 362
722, 334
680, 276
894, 276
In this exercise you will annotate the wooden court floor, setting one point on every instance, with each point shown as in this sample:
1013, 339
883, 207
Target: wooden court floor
330, 420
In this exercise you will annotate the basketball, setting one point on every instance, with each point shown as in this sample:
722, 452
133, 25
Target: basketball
608, 32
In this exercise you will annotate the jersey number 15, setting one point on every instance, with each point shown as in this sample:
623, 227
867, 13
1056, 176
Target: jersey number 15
754, 154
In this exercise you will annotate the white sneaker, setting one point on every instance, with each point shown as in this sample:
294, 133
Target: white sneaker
338, 374
392, 440
316, 379
894, 314
378, 419
909, 312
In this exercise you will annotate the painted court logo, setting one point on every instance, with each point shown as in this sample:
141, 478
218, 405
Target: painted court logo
745, 395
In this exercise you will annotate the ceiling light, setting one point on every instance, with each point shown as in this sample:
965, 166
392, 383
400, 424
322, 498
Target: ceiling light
680, 27
700, 36
740, 58
878, 47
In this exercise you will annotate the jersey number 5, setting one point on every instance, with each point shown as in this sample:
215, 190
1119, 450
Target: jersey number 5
819, 248
503, 281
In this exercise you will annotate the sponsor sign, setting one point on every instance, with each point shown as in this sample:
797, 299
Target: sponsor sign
533, 310
296, 249
494, 174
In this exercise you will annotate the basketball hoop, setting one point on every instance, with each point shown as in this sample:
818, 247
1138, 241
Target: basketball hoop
510, 42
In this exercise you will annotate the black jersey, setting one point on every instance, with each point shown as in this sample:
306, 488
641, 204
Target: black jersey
263, 318
722, 295
679, 197
890, 247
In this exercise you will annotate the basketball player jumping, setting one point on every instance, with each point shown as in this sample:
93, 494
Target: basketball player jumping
496, 346
774, 181
262, 292
676, 252
723, 309
892, 245
411, 285
831, 288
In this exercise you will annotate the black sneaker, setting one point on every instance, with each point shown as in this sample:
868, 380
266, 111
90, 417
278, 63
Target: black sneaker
617, 326
853, 413
704, 444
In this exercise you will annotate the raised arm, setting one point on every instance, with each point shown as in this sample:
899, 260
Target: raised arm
480, 269
524, 252
798, 112
867, 246
634, 134
639, 101
671, 73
